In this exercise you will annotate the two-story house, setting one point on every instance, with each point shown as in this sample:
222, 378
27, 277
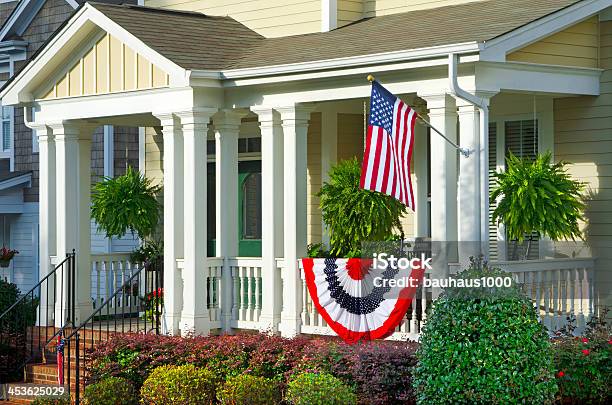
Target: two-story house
246, 105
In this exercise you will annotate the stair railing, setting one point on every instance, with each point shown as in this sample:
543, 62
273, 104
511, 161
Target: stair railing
134, 307
31, 316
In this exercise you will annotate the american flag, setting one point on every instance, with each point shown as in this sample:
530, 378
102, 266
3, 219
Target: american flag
386, 160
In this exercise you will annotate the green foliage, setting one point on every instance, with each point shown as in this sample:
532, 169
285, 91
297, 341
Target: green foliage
179, 385
319, 389
9, 293
354, 215
111, 391
584, 363
48, 400
125, 203
149, 250
538, 196
485, 348
317, 250
246, 389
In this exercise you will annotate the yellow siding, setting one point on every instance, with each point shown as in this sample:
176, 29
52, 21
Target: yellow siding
270, 18
350, 144
106, 66
313, 163
574, 46
583, 137
349, 11
373, 8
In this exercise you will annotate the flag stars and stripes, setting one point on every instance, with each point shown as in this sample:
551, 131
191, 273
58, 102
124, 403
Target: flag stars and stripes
388, 151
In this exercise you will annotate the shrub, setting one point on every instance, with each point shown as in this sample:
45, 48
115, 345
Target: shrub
179, 385
246, 389
584, 363
484, 346
388, 365
354, 215
62, 400
111, 391
319, 389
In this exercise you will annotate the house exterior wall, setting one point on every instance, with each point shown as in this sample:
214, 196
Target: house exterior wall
6, 8
373, 8
106, 66
313, 168
583, 137
349, 11
270, 18
574, 46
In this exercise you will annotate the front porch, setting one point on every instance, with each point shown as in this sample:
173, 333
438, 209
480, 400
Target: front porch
96, 73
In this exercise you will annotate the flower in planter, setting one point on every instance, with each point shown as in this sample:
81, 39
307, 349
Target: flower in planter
560, 374
586, 352
6, 255
585, 340
153, 302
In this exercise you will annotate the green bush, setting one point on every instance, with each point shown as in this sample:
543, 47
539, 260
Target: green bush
179, 385
484, 346
354, 215
63, 400
247, 389
319, 389
111, 391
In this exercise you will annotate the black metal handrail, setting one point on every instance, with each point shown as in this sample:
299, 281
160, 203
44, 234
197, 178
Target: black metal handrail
30, 313
107, 321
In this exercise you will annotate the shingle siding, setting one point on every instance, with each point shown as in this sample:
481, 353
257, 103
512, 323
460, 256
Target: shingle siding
5, 11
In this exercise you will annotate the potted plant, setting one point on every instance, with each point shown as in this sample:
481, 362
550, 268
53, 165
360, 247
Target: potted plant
6, 255
537, 196
354, 215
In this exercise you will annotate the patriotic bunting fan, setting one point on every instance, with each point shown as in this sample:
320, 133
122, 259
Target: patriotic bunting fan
345, 295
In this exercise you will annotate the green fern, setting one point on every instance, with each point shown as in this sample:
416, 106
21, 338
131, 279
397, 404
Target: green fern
125, 203
538, 196
354, 215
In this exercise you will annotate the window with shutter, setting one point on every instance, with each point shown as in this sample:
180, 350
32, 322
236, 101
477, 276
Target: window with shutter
493, 243
522, 141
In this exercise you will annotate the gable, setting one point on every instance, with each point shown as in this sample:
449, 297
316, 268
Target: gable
577, 46
104, 65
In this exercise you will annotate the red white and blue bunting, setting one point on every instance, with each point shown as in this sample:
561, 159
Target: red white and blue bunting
344, 293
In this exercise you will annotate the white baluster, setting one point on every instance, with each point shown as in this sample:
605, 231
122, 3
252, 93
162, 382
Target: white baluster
236, 300
244, 289
305, 313
258, 293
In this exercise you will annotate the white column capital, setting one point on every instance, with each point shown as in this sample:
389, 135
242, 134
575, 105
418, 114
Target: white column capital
196, 119
441, 103
296, 115
466, 109
70, 130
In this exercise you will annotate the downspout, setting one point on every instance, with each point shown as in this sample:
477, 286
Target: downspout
483, 162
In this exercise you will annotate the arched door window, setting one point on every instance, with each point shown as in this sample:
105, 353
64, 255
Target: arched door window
251, 207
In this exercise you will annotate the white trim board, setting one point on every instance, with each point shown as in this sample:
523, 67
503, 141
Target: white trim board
22, 16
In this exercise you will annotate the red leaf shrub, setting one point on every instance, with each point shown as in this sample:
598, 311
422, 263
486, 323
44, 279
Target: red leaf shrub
379, 371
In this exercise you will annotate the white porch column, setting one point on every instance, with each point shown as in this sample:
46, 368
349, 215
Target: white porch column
421, 171
227, 127
73, 186
195, 317
295, 128
469, 225
443, 173
329, 151
443, 116
173, 220
47, 214
272, 216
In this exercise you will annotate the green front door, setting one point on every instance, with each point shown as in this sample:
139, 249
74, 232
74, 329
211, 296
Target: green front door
248, 207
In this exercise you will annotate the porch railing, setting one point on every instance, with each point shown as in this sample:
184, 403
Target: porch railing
109, 272
558, 287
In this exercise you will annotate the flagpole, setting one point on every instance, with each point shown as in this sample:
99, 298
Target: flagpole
464, 151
